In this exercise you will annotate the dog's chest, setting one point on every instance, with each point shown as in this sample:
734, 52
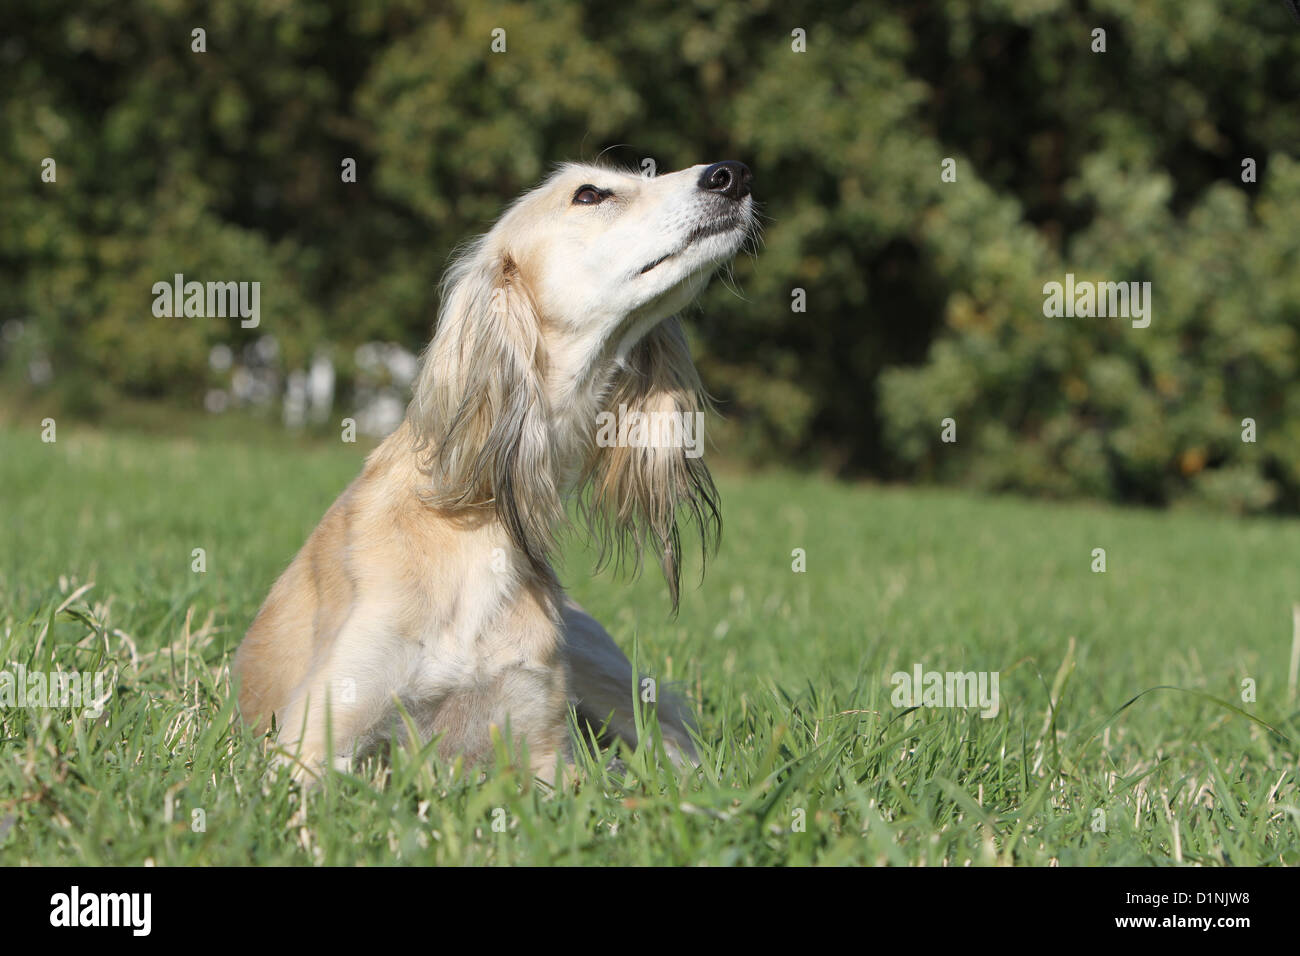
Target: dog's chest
491, 623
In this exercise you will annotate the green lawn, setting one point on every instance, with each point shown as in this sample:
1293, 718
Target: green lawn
789, 671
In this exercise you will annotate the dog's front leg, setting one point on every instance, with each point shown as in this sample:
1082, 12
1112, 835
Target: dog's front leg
508, 677
348, 692
525, 701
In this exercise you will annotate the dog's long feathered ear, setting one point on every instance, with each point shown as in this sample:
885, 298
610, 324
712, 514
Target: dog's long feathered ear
635, 494
479, 410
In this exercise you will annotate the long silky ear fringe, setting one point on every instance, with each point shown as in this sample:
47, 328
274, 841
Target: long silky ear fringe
479, 411
633, 497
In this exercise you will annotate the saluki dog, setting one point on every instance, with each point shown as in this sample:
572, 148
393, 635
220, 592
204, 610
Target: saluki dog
426, 594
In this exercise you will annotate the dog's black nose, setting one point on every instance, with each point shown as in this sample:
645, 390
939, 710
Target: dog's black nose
729, 178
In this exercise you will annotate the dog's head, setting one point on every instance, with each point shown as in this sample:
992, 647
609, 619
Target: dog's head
566, 309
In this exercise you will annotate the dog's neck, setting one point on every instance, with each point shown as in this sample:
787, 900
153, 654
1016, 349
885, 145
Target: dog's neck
576, 402
573, 405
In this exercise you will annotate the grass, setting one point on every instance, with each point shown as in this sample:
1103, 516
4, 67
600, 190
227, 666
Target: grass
805, 758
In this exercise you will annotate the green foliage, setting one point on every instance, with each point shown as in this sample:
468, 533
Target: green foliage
924, 298
1095, 406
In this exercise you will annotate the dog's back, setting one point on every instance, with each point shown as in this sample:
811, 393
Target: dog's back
306, 606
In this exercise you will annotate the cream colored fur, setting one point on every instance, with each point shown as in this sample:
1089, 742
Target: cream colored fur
428, 583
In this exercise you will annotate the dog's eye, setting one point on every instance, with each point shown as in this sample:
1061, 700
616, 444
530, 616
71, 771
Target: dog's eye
590, 196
